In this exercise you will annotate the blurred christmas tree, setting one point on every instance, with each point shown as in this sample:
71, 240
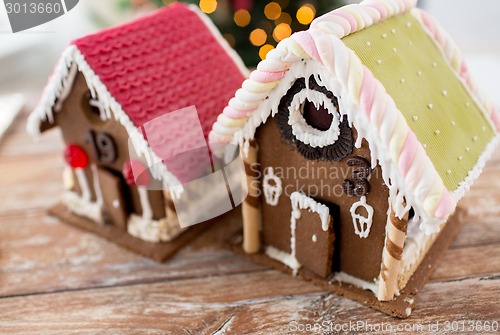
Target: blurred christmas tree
253, 27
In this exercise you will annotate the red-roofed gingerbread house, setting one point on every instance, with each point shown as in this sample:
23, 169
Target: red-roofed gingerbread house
104, 92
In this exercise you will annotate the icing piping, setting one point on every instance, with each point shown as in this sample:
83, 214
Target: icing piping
67, 87
362, 225
302, 201
147, 212
153, 231
82, 207
346, 278
84, 183
272, 193
97, 185
299, 201
304, 132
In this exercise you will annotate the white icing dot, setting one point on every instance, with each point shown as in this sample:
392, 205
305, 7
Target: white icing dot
484, 128
467, 104
453, 123
425, 146
437, 132
368, 44
415, 118
419, 73
393, 30
408, 24
434, 64
410, 43
460, 158
379, 61
408, 311
384, 36
467, 149
445, 92
475, 138
448, 172
394, 50
430, 106
314, 238
403, 81
116, 203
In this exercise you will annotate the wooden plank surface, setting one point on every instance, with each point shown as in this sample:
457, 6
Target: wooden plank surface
55, 279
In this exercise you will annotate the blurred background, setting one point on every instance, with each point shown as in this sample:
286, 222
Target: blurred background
251, 27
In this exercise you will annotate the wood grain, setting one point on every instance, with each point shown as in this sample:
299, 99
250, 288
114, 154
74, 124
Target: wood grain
55, 279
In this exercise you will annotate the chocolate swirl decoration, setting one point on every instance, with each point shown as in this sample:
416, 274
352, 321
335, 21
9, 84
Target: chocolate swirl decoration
334, 152
359, 185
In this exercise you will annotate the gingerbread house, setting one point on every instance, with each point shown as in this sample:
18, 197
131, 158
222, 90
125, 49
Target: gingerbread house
362, 134
104, 94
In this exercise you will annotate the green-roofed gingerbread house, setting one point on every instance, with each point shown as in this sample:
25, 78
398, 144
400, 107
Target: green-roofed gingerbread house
360, 137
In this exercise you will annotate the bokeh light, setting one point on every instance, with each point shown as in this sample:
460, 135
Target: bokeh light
264, 50
272, 10
208, 6
306, 14
284, 18
258, 37
281, 32
242, 18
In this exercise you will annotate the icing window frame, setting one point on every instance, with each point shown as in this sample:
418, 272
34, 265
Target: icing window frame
302, 130
342, 146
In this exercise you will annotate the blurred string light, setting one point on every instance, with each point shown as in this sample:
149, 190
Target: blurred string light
306, 14
264, 50
258, 37
284, 18
281, 32
242, 18
208, 6
272, 10
254, 27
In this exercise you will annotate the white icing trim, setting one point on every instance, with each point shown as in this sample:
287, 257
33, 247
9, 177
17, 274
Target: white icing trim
343, 277
97, 185
284, 258
272, 193
222, 41
153, 231
362, 225
302, 201
304, 132
57, 85
147, 212
68, 180
81, 176
82, 207
67, 87
467, 183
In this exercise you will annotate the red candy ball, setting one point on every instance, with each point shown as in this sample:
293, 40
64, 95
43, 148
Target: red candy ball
76, 157
135, 173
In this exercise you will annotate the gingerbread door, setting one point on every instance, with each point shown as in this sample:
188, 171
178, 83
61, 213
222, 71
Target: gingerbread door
312, 234
114, 202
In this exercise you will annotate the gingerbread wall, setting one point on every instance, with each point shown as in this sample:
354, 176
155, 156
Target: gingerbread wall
356, 256
76, 119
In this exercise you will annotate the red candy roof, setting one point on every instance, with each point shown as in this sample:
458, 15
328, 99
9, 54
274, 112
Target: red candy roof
164, 62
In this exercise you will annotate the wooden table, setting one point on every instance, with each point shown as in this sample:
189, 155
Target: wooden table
55, 279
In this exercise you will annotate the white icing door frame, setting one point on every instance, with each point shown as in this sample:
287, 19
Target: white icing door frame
302, 202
